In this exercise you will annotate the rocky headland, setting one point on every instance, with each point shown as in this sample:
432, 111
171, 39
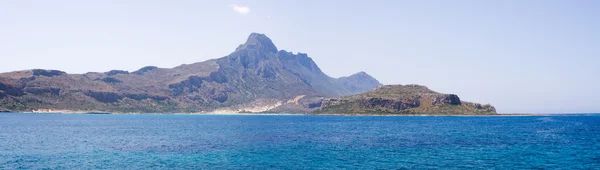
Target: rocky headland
403, 100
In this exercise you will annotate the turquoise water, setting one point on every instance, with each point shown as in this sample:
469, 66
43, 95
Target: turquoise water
61, 141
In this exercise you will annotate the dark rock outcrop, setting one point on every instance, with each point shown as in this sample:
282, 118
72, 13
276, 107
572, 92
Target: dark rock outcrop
115, 72
446, 99
218, 77
47, 73
11, 90
190, 85
486, 107
144, 70
390, 104
105, 97
43, 90
110, 80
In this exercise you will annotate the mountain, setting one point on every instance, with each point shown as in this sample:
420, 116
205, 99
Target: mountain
255, 77
403, 99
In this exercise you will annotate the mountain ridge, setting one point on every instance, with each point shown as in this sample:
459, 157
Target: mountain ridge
254, 73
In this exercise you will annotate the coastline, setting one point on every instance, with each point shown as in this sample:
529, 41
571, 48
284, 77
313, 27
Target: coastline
296, 114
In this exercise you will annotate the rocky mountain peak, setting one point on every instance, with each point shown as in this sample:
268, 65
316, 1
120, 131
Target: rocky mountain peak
362, 78
361, 74
260, 42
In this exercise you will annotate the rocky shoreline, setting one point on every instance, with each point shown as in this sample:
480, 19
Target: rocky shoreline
298, 114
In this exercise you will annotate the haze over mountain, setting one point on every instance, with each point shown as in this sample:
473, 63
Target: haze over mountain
256, 74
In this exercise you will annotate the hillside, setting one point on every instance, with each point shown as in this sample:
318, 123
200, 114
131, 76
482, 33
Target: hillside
403, 99
256, 74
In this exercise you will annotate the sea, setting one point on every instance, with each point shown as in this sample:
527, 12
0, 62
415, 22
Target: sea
179, 141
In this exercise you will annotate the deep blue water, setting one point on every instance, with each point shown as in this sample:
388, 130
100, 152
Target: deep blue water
61, 141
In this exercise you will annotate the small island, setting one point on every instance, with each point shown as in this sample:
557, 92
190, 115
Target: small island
403, 100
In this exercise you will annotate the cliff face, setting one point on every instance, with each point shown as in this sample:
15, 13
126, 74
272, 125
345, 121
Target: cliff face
254, 73
403, 99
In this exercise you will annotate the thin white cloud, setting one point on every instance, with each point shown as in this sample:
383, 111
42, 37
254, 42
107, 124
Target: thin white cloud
244, 10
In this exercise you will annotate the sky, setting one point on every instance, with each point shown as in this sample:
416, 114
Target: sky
534, 56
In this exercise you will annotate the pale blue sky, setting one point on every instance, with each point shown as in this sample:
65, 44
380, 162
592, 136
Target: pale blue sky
520, 55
